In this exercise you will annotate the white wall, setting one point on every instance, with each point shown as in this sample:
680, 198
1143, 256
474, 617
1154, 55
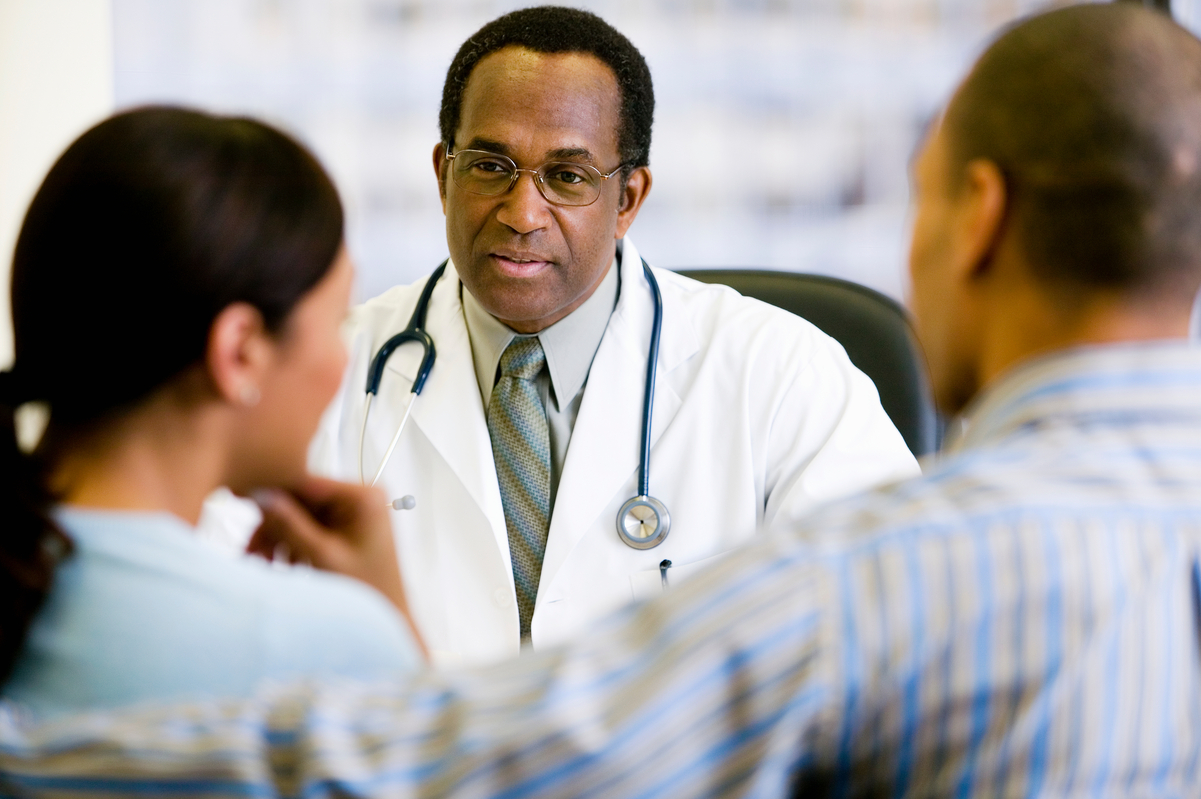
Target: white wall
837, 91
56, 80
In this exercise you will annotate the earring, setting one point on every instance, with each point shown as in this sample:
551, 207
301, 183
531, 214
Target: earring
249, 395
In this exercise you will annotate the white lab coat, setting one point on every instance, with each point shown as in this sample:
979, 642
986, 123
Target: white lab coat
758, 416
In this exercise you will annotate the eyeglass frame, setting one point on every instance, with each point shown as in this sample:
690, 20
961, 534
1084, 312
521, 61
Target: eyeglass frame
535, 173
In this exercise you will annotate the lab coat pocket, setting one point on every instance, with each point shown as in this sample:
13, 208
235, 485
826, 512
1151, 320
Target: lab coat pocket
650, 583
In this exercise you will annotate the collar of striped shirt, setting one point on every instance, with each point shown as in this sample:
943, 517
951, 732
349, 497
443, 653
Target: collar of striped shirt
1151, 379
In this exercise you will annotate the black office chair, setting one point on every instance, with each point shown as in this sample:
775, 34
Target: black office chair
872, 328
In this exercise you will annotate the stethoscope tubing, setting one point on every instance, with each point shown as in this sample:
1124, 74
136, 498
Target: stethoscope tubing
648, 397
391, 445
414, 331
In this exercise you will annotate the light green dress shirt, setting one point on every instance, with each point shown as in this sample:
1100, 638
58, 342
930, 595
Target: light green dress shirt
570, 345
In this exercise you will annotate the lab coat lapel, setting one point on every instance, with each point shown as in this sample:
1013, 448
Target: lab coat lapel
449, 411
604, 449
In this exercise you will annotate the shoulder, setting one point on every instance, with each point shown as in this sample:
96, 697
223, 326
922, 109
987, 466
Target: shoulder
314, 595
956, 495
327, 617
152, 567
314, 601
387, 311
724, 318
394, 298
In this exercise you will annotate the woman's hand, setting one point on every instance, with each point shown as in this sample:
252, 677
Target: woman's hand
336, 527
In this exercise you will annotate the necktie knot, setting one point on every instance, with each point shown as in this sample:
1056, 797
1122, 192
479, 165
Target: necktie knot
523, 359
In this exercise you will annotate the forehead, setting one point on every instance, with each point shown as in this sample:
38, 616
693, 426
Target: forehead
536, 103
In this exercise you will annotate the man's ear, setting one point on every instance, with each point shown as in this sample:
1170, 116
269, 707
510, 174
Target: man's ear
984, 208
440, 166
637, 187
238, 353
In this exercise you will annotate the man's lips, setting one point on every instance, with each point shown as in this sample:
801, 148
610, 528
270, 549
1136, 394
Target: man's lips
518, 264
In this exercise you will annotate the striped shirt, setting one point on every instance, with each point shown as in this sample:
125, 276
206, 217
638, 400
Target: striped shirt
1021, 621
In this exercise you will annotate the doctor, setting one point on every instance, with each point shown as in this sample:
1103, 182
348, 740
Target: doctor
524, 444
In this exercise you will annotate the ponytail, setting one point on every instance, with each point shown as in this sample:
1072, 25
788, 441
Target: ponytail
30, 543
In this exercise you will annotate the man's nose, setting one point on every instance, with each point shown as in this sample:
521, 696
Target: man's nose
523, 208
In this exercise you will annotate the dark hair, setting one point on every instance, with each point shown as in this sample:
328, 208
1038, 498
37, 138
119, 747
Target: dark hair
1093, 113
555, 29
146, 228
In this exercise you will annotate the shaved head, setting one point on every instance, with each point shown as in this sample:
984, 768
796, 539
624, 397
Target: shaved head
1093, 114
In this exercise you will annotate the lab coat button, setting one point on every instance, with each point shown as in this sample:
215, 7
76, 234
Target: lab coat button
501, 597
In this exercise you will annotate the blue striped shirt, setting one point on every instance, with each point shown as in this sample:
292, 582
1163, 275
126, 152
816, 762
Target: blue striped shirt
1021, 621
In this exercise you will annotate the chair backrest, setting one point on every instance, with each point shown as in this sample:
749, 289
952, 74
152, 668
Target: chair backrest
873, 329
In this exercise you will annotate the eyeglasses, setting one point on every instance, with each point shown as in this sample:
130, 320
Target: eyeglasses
560, 182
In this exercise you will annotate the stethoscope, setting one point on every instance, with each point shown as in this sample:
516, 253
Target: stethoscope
643, 521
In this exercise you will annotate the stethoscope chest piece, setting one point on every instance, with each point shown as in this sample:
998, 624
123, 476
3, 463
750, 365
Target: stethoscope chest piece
643, 522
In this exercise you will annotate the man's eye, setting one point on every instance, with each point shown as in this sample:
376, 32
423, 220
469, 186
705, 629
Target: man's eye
490, 167
569, 176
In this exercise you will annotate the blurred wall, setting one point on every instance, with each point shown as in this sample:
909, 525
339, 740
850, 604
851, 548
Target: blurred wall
782, 128
56, 79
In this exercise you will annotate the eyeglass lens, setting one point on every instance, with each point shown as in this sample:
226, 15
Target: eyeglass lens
560, 182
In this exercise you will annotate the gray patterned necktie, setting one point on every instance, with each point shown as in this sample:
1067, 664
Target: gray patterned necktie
521, 448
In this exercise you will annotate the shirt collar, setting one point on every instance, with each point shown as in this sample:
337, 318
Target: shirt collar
1159, 379
569, 344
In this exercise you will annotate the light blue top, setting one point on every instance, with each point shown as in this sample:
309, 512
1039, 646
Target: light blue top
144, 610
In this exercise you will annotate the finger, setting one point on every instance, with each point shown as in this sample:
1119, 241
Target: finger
324, 495
320, 491
287, 522
265, 541
348, 509
261, 544
268, 547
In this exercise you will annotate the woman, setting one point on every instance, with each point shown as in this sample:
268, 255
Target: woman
177, 289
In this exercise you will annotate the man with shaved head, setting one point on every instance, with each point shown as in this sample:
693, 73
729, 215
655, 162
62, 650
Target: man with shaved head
1078, 161
1023, 620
